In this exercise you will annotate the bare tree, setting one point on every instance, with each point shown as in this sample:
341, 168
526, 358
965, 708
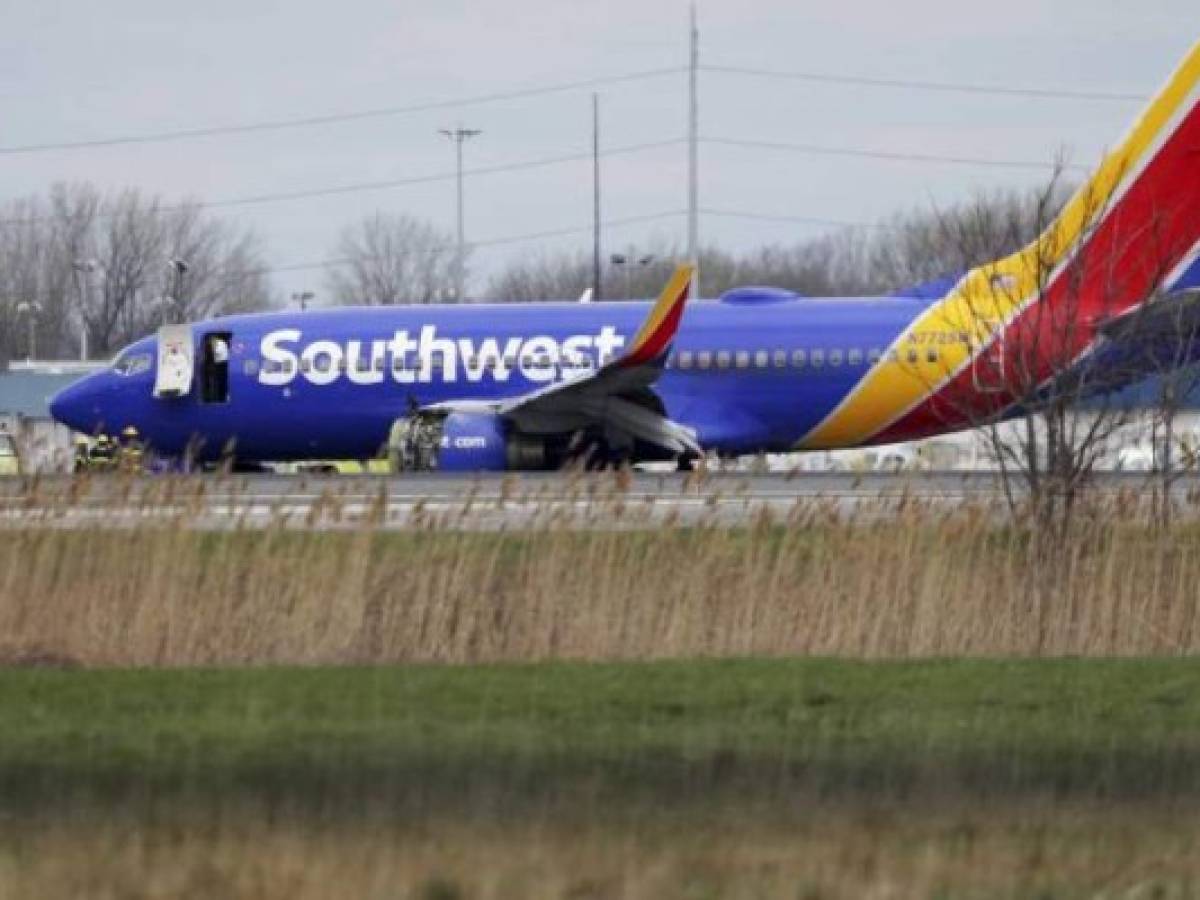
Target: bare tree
1038, 344
544, 276
907, 249
1166, 336
924, 245
99, 264
390, 259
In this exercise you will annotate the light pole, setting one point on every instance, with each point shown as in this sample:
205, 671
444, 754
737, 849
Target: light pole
627, 262
459, 135
693, 207
179, 267
31, 308
163, 304
621, 261
87, 268
301, 298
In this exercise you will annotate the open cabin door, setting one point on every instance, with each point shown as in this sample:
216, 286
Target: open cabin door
176, 361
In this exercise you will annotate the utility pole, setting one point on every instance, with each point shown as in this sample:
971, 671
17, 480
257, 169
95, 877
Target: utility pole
596, 294
301, 299
179, 267
32, 309
693, 207
86, 268
459, 136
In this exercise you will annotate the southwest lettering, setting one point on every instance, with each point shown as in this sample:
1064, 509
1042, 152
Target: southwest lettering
427, 357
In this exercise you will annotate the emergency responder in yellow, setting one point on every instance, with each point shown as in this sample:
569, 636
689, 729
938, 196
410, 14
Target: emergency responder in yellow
83, 454
132, 453
104, 455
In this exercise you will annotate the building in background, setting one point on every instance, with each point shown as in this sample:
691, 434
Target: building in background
25, 392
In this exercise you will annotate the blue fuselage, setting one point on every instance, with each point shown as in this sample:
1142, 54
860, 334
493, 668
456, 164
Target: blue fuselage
329, 383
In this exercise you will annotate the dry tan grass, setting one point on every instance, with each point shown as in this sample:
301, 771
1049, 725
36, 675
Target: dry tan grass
823, 853
913, 584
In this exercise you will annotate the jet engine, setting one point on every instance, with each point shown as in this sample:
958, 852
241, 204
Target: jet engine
463, 442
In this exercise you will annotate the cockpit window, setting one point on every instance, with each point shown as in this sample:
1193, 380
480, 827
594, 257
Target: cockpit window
132, 364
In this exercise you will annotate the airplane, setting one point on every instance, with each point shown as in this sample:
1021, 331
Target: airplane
527, 386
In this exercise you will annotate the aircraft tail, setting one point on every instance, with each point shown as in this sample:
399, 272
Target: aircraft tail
1131, 231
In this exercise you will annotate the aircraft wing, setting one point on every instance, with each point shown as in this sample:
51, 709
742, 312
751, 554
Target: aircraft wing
616, 395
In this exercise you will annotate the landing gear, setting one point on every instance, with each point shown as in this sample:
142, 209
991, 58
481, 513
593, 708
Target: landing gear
589, 451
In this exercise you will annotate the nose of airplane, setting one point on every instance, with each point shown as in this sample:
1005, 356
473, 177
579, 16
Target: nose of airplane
78, 405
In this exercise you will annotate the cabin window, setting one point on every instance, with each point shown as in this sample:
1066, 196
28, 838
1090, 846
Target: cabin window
132, 364
835, 357
724, 358
799, 358
762, 359
855, 357
913, 357
780, 359
685, 359
931, 355
875, 355
742, 359
704, 359
817, 358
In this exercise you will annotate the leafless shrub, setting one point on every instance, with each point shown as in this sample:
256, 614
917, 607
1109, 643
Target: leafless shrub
898, 581
99, 263
389, 259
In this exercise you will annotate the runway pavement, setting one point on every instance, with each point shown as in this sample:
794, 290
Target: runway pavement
492, 502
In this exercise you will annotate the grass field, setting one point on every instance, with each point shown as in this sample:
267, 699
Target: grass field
806, 778
917, 707
915, 586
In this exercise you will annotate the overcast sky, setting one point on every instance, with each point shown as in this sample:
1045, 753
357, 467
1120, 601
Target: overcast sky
72, 71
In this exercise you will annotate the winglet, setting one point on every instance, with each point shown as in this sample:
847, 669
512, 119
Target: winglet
657, 332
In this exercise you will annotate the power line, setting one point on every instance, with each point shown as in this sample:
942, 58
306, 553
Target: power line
940, 86
585, 229
361, 186
385, 184
335, 118
394, 183
891, 156
490, 242
562, 87
793, 220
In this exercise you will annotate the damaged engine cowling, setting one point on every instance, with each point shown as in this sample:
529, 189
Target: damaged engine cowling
464, 442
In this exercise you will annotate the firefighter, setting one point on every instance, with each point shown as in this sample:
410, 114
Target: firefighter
131, 454
83, 454
104, 455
